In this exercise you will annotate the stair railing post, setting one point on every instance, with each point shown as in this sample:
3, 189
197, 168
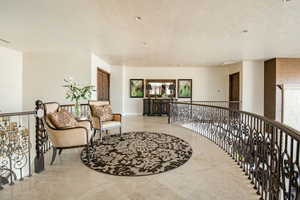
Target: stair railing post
39, 165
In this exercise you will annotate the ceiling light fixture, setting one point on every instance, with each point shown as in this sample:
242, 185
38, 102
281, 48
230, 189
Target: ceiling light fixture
138, 18
5, 41
286, 1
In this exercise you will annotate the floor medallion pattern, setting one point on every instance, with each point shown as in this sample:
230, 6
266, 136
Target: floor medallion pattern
138, 154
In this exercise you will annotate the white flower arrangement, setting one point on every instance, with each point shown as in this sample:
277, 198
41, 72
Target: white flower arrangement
75, 93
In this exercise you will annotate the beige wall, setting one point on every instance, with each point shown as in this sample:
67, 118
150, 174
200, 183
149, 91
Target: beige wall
117, 88
97, 62
253, 86
209, 83
44, 75
292, 105
232, 69
11, 67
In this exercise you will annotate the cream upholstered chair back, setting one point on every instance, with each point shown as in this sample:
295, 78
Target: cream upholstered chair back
104, 125
97, 103
50, 108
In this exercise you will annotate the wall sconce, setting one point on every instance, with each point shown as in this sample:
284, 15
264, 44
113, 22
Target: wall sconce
148, 88
172, 88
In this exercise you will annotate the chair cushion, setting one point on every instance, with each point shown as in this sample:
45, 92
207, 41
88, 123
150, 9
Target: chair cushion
62, 119
110, 124
102, 112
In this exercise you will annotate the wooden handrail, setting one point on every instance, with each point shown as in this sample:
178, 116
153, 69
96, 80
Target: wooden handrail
17, 114
291, 131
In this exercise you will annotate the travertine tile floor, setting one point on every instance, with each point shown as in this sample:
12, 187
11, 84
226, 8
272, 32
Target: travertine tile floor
209, 175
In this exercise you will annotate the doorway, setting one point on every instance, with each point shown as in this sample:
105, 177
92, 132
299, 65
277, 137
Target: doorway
234, 87
103, 85
234, 90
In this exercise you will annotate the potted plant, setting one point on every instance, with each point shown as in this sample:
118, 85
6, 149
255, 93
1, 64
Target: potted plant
75, 93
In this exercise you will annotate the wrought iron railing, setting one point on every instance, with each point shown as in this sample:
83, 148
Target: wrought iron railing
266, 151
15, 147
236, 105
16, 151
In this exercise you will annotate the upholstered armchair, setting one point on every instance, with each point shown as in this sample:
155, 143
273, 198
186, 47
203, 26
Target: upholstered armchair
100, 124
66, 138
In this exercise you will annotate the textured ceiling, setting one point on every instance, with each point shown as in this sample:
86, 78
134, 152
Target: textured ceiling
176, 32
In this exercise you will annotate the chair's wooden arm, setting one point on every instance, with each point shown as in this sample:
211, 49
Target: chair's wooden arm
83, 120
117, 117
71, 128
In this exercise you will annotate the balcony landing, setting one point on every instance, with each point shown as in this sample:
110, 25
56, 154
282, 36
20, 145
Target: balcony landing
209, 175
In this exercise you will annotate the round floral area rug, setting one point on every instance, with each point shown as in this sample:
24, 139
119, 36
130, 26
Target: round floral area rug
137, 154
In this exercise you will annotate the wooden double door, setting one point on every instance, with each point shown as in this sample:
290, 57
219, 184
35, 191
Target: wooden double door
103, 85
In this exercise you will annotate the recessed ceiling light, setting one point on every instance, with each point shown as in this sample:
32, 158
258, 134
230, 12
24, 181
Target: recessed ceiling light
145, 44
286, 1
5, 41
138, 18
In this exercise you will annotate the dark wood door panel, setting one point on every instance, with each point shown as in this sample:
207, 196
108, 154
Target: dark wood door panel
234, 87
103, 85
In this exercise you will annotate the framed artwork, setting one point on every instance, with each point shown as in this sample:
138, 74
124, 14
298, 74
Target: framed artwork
136, 88
185, 88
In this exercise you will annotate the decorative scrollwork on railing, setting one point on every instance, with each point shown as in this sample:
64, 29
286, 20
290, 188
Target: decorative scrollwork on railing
14, 151
267, 151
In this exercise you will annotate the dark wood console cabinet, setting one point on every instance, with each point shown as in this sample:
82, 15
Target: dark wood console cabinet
156, 107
